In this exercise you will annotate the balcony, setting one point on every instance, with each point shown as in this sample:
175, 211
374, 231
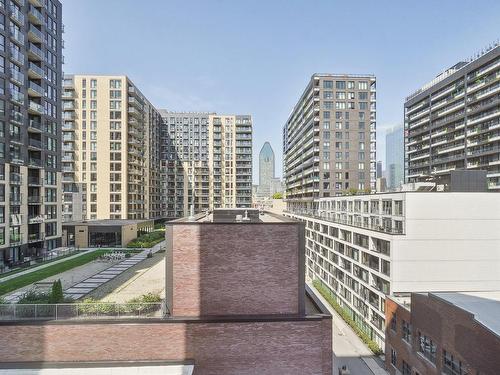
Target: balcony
17, 97
15, 179
36, 237
35, 163
35, 52
68, 126
35, 35
35, 108
34, 89
68, 106
37, 3
69, 116
16, 35
68, 169
35, 219
16, 56
134, 112
68, 158
16, 117
17, 76
35, 144
68, 95
34, 71
35, 126
35, 200
16, 239
35, 181
35, 16
16, 16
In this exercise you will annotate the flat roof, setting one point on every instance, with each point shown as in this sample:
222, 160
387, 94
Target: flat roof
236, 216
485, 306
105, 222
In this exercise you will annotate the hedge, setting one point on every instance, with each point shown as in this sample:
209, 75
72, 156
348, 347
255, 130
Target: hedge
148, 240
325, 292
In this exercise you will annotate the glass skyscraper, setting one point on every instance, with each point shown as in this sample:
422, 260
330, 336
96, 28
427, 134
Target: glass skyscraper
394, 157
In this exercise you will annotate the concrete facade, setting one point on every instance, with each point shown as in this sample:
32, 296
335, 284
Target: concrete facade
431, 335
369, 246
110, 150
329, 139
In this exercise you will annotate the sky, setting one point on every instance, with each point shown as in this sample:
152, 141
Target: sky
257, 56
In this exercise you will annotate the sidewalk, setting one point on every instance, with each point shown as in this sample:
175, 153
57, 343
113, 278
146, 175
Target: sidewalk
348, 349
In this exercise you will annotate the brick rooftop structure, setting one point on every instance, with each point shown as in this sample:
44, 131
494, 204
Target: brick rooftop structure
236, 301
443, 333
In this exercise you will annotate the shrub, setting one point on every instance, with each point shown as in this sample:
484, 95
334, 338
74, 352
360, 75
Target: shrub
148, 240
56, 295
372, 345
34, 297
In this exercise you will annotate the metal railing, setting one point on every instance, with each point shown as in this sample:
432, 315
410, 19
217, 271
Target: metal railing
82, 311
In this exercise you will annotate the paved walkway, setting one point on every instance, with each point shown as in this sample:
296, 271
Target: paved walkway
88, 285
348, 349
42, 266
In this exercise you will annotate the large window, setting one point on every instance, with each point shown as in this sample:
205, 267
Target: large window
427, 347
406, 331
451, 365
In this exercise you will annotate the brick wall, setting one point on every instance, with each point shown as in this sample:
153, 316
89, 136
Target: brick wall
300, 347
451, 328
235, 269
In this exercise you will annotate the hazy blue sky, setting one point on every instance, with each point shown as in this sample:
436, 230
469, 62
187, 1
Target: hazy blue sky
255, 57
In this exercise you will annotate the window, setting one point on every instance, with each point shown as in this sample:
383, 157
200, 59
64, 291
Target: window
406, 369
362, 95
362, 85
394, 359
340, 85
427, 347
327, 84
406, 329
451, 365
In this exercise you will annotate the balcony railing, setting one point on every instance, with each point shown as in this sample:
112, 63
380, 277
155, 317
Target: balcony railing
16, 35
82, 311
36, 70
37, 34
35, 125
317, 215
17, 97
35, 15
16, 56
16, 15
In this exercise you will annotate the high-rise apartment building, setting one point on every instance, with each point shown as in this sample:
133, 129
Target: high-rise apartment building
30, 136
110, 151
184, 162
266, 170
365, 247
394, 157
206, 162
329, 143
453, 122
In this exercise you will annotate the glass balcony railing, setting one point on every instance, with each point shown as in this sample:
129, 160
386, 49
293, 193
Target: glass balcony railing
17, 76
36, 107
35, 32
17, 35
17, 56
35, 15
35, 87
33, 124
36, 51
17, 97
16, 116
16, 15
36, 69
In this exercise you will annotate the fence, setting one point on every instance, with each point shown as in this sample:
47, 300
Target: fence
82, 311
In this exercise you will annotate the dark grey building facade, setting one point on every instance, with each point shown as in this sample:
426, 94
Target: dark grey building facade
30, 128
453, 122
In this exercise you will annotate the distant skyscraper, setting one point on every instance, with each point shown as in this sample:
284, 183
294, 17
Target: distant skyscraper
379, 169
266, 169
394, 156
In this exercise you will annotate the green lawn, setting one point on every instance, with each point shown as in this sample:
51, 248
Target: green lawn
17, 270
33, 277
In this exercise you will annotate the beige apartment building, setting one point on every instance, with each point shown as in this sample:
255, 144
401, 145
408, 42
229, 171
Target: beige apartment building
110, 151
206, 162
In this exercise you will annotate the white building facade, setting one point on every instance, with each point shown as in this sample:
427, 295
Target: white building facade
365, 247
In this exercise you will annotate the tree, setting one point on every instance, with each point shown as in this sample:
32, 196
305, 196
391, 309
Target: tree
351, 191
56, 294
278, 195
